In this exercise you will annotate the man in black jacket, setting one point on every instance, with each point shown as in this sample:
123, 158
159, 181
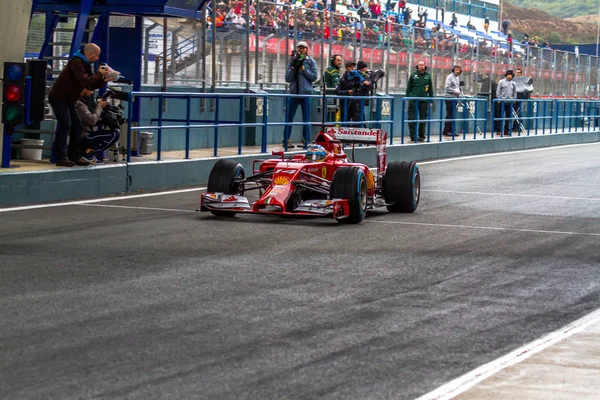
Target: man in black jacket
76, 76
352, 83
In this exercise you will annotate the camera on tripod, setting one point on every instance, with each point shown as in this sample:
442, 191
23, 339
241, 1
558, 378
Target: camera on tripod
297, 59
113, 116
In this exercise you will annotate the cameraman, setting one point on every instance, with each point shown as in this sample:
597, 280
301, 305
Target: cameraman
94, 140
74, 77
301, 73
353, 83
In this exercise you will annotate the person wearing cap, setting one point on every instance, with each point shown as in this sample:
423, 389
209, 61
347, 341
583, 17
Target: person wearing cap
507, 90
352, 84
452, 91
301, 81
419, 84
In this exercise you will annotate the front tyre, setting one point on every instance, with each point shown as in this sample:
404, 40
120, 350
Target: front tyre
350, 183
225, 177
402, 186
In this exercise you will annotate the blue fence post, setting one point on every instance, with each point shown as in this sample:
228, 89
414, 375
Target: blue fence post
263, 144
307, 125
241, 127
160, 117
187, 129
402, 119
129, 118
564, 120
378, 112
287, 129
475, 124
392, 121
216, 138
544, 104
429, 110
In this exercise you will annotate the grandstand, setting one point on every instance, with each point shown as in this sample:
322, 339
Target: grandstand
390, 36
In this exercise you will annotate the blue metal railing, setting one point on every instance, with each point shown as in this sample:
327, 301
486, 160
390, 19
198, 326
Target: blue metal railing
240, 124
511, 112
469, 115
572, 113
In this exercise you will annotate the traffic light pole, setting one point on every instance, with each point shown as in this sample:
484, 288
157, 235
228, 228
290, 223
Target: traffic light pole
6, 145
27, 108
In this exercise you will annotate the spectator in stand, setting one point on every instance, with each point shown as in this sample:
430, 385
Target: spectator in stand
486, 24
507, 90
419, 84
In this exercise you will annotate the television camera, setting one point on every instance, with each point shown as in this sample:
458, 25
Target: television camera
297, 59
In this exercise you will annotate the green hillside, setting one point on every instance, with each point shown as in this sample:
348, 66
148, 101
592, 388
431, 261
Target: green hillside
561, 8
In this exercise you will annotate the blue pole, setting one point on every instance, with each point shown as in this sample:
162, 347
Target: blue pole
188, 113
544, 119
428, 121
6, 146
241, 121
392, 121
287, 130
402, 119
129, 118
216, 138
263, 144
160, 117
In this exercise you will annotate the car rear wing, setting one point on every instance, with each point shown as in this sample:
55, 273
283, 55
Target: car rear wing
377, 137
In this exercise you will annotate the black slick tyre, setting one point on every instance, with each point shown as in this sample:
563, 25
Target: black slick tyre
224, 178
350, 183
402, 186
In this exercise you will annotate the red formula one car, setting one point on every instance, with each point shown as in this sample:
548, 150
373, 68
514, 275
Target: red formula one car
321, 182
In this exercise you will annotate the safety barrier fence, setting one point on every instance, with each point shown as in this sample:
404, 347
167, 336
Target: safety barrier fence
257, 53
473, 117
190, 124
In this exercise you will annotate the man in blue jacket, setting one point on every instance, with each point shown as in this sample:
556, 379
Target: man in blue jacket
301, 73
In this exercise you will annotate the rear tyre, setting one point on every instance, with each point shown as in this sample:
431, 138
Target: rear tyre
350, 183
224, 178
402, 186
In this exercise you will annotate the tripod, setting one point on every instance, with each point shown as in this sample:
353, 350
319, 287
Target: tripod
465, 103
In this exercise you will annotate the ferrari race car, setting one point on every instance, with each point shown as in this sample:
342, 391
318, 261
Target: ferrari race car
320, 182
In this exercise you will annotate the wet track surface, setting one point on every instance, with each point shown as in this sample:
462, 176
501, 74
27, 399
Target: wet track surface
143, 298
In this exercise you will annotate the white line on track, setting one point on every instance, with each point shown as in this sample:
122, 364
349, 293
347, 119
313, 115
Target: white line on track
137, 196
138, 208
507, 153
513, 195
470, 379
492, 228
102, 200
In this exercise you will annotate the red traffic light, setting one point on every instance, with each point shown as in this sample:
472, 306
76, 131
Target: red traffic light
12, 93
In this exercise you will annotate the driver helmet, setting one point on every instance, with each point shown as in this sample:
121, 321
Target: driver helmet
316, 152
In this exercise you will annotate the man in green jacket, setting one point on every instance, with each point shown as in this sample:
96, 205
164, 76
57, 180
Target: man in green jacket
419, 85
331, 76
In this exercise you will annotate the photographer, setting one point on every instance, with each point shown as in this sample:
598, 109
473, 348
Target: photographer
64, 94
95, 140
301, 73
348, 86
